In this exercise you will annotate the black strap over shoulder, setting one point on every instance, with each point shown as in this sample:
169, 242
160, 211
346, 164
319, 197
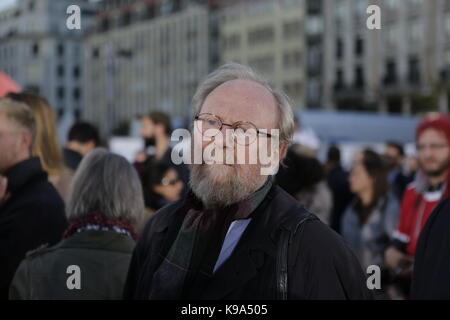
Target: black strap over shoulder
289, 227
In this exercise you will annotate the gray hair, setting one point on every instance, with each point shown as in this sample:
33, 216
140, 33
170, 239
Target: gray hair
20, 114
233, 71
107, 183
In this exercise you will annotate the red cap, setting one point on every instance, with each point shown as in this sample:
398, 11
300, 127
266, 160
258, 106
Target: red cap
438, 122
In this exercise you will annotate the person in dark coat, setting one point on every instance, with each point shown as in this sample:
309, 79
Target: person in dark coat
431, 277
105, 208
83, 138
31, 210
235, 235
337, 179
395, 157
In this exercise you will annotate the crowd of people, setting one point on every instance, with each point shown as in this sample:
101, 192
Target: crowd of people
156, 230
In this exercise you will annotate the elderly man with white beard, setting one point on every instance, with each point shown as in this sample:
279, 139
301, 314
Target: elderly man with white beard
236, 235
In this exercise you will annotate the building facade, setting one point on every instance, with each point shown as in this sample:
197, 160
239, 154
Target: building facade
399, 68
268, 36
145, 56
42, 54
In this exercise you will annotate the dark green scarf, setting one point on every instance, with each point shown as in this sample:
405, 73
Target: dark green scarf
189, 264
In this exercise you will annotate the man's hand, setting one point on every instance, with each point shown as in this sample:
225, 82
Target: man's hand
395, 259
3, 189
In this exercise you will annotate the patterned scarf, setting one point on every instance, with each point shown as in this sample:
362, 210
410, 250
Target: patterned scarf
190, 261
98, 221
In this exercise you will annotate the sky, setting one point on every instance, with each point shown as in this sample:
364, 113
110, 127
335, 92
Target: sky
6, 3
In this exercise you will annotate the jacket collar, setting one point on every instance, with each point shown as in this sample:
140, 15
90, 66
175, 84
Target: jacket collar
100, 240
23, 172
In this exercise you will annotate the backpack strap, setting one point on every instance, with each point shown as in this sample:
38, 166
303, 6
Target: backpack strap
289, 227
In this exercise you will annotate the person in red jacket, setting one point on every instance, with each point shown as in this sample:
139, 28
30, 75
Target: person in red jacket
430, 186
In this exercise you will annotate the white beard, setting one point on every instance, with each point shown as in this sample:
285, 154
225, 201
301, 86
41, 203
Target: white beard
222, 185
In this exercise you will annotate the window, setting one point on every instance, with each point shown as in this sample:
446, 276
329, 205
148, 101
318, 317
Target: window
263, 64
414, 70
35, 49
60, 92
76, 72
104, 25
314, 59
292, 59
339, 48
359, 46
76, 94
95, 53
293, 88
292, 29
359, 77
125, 18
391, 73
232, 42
60, 71
314, 25
60, 50
261, 35
339, 79
314, 7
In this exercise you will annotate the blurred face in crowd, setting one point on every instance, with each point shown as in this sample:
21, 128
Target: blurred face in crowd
393, 157
433, 152
14, 143
147, 128
360, 180
222, 184
80, 147
170, 187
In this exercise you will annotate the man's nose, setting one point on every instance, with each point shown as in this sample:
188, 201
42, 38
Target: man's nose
227, 137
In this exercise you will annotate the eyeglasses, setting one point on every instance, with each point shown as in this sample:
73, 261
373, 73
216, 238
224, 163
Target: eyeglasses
244, 132
169, 182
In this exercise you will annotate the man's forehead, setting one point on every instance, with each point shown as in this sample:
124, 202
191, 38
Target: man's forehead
241, 100
433, 134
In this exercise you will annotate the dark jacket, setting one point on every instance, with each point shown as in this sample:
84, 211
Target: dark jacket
72, 159
431, 277
103, 258
32, 216
337, 179
320, 267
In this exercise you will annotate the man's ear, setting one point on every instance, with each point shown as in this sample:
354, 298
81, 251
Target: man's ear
26, 140
283, 151
90, 145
